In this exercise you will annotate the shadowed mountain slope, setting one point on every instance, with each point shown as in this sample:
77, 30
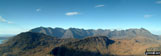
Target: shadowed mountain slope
92, 46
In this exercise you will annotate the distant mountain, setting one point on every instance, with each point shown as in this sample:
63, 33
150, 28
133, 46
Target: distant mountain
131, 33
57, 32
81, 33
77, 33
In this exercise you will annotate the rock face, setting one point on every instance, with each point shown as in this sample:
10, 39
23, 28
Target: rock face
81, 33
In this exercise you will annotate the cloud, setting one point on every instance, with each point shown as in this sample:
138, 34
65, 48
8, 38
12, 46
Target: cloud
9, 22
99, 6
38, 10
72, 13
158, 2
147, 16
4, 20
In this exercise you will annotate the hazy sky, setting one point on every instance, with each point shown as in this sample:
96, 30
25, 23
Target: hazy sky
21, 15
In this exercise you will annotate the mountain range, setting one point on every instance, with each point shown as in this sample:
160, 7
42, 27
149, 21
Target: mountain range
81, 33
43, 41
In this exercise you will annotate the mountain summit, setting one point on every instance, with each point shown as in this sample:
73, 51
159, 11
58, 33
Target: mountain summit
81, 33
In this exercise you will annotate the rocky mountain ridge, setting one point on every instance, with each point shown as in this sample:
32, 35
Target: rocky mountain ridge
81, 33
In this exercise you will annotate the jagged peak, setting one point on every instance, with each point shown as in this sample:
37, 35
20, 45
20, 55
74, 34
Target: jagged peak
95, 29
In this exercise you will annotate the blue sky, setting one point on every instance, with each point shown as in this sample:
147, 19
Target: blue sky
22, 15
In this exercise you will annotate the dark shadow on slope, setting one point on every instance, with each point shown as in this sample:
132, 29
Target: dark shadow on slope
64, 51
84, 47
